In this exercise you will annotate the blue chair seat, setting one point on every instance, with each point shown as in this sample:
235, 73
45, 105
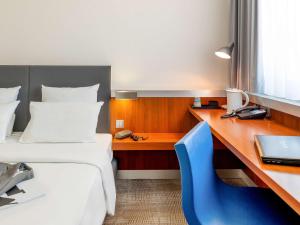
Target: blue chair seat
207, 200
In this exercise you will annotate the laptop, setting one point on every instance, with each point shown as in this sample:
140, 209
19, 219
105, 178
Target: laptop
283, 150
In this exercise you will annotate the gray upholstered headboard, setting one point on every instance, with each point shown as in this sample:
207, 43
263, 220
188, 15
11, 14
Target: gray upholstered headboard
32, 77
12, 76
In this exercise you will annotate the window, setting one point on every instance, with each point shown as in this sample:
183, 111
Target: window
279, 48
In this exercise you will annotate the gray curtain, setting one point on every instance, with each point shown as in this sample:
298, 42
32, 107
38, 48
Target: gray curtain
244, 35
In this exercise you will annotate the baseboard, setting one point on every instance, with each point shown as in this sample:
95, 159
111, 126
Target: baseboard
175, 174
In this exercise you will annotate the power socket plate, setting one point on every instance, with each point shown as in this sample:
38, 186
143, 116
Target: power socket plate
119, 123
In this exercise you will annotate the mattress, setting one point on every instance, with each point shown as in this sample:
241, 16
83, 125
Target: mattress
77, 180
73, 195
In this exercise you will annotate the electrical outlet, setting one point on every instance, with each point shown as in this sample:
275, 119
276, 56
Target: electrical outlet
119, 123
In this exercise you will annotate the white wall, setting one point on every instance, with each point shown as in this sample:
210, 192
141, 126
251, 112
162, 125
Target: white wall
151, 44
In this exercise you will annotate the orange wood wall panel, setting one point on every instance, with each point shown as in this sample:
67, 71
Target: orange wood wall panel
155, 114
163, 114
285, 119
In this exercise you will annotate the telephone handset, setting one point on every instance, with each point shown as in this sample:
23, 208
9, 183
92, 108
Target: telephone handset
247, 109
248, 113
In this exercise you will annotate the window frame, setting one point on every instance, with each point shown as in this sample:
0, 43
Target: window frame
290, 107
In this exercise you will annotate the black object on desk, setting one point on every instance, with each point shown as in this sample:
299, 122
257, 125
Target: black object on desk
210, 105
253, 114
248, 113
137, 138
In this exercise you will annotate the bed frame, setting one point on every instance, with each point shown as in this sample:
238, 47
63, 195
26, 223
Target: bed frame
32, 77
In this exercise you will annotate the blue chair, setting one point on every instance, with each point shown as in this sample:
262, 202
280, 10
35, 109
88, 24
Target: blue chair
208, 200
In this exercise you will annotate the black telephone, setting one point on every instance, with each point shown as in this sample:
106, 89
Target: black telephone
248, 113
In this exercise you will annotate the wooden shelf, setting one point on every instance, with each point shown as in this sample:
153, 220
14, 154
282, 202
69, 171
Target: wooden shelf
155, 141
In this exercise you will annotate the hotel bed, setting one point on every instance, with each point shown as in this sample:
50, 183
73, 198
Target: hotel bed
76, 178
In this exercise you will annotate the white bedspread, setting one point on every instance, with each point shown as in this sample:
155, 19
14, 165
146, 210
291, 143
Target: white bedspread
91, 155
73, 196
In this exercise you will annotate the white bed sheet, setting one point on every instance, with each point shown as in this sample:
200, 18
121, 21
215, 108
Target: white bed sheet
79, 188
73, 196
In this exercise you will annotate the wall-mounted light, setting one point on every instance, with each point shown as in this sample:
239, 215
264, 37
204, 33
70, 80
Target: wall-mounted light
130, 95
225, 52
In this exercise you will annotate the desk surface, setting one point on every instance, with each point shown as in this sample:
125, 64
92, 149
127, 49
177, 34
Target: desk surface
238, 136
155, 141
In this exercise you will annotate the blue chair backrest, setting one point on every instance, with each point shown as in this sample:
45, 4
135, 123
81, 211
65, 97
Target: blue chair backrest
198, 178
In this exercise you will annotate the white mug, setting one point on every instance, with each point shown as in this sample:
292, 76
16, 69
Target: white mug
235, 99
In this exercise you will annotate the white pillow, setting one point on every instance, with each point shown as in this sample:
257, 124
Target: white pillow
8, 95
67, 94
6, 112
10, 125
62, 122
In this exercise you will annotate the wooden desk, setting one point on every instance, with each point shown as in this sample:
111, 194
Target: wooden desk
155, 141
238, 136
155, 153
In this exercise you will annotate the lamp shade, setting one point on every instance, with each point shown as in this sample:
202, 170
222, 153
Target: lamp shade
225, 52
130, 95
